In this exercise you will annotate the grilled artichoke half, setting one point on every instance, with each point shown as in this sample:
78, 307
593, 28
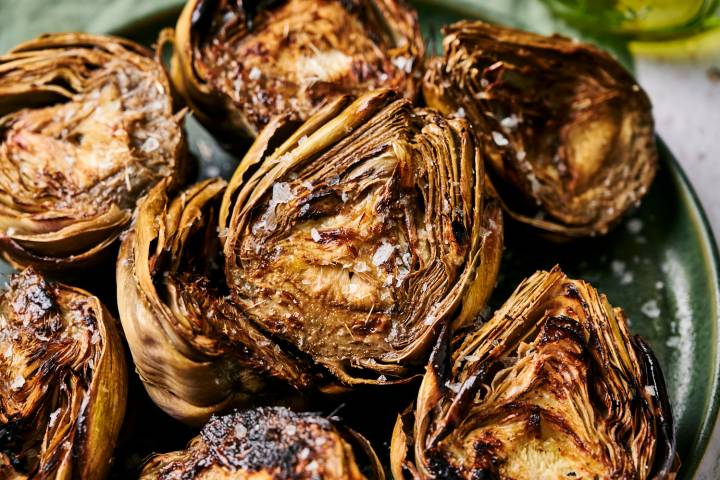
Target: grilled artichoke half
193, 347
269, 443
86, 127
553, 386
63, 381
238, 64
569, 134
357, 236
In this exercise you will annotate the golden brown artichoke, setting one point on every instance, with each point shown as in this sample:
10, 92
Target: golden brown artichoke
355, 238
63, 382
86, 127
552, 386
349, 241
193, 348
239, 63
269, 443
568, 133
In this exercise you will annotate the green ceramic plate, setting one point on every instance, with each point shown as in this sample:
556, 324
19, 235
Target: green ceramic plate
660, 265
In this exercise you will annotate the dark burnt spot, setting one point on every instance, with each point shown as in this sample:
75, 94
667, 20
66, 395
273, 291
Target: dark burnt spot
460, 232
375, 323
338, 235
561, 327
441, 468
272, 439
534, 422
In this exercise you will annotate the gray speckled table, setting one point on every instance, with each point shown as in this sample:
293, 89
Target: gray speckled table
686, 99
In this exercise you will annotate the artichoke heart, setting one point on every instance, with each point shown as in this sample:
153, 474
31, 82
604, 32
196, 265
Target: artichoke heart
63, 381
355, 237
238, 64
86, 127
569, 135
193, 348
552, 386
269, 443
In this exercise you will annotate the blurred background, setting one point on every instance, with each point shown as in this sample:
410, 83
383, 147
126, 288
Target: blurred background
672, 46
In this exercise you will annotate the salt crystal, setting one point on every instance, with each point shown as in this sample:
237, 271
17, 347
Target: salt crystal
471, 358
302, 139
17, 382
403, 63
499, 139
429, 320
634, 225
53, 417
304, 453
460, 112
281, 193
9, 352
618, 267
383, 253
650, 309
382, 378
304, 209
213, 171
344, 197
315, 235
651, 390
10, 232
150, 145
240, 431
254, 74
534, 183
361, 267
510, 122
455, 387
95, 337
307, 185
520, 155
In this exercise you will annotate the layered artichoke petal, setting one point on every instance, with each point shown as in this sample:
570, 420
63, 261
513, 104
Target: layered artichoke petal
247, 65
568, 134
86, 127
553, 385
191, 345
357, 237
63, 381
269, 443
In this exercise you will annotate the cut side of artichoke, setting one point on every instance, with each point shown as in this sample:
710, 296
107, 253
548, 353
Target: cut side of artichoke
552, 386
86, 127
568, 133
63, 381
192, 346
239, 66
355, 237
269, 443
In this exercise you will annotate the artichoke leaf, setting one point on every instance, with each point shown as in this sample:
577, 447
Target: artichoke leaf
63, 381
568, 133
192, 347
86, 127
269, 443
355, 238
298, 54
553, 385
